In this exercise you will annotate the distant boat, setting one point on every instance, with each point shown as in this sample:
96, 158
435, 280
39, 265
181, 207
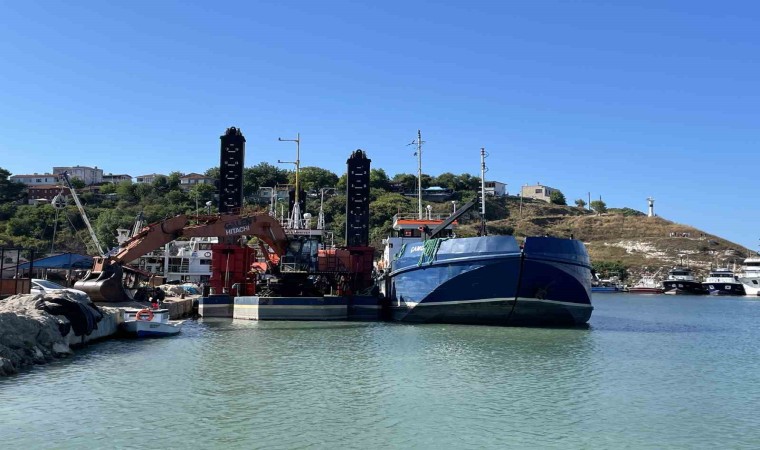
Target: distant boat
607, 285
681, 281
749, 275
723, 282
647, 285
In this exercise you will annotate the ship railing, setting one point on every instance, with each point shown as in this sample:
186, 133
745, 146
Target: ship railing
414, 216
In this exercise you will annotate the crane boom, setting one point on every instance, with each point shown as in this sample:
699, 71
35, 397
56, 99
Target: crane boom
105, 281
83, 214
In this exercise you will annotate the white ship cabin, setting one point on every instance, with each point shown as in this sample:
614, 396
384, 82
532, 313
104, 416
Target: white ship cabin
721, 275
181, 260
752, 265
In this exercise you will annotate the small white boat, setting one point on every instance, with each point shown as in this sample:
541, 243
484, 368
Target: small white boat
150, 322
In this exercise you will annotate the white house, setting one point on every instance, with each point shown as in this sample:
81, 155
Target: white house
496, 188
36, 179
116, 179
147, 178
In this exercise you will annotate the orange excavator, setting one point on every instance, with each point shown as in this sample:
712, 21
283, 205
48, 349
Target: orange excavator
112, 280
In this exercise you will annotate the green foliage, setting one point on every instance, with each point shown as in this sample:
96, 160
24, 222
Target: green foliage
599, 206
606, 269
10, 191
628, 212
378, 179
77, 183
557, 198
407, 180
262, 175
580, 203
313, 178
213, 173
202, 193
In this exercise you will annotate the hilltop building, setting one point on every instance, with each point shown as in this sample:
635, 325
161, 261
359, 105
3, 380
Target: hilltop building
35, 179
191, 179
90, 175
116, 179
496, 188
538, 191
148, 178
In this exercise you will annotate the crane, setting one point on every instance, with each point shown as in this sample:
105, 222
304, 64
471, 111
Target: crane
93, 236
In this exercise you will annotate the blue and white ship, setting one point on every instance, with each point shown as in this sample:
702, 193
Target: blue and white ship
489, 280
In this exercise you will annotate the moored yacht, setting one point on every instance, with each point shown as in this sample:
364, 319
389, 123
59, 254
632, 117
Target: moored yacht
723, 282
749, 275
681, 281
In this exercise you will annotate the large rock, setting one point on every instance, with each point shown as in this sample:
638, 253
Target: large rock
35, 328
29, 335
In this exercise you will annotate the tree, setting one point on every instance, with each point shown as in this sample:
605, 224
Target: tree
378, 179
557, 198
160, 184
599, 206
446, 180
202, 193
174, 180
77, 183
10, 191
407, 180
580, 203
212, 173
262, 175
313, 178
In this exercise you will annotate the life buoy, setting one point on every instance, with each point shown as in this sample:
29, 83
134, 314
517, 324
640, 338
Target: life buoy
144, 312
207, 255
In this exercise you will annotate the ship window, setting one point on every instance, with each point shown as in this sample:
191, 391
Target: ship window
205, 262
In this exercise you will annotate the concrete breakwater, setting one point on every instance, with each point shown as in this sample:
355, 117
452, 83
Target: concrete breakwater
38, 328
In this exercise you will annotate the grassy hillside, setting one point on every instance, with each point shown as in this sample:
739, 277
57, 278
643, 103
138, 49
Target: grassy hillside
630, 237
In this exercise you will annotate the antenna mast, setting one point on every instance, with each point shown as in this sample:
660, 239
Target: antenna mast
419, 173
483, 171
296, 213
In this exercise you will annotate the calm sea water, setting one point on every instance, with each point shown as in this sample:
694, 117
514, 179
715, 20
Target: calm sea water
650, 371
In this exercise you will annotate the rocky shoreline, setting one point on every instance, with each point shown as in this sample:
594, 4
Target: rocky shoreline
39, 328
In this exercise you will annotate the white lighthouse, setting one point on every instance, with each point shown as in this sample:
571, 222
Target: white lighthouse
651, 207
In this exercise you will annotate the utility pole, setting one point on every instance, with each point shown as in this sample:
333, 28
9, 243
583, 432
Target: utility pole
419, 174
483, 171
296, 213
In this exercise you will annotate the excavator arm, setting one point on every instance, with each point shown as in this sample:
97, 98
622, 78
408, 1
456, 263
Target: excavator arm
105, 282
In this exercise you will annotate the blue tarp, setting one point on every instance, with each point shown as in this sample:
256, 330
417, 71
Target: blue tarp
62, 261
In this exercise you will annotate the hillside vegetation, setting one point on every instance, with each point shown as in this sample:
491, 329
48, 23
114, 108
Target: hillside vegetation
625, 237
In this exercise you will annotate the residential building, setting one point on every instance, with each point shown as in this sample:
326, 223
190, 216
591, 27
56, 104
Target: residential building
496, 188
537, 191
116, 179
147, 178
191, 179
43, 193
35, 179
90, 175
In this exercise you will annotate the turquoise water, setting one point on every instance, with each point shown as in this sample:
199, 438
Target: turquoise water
650, 371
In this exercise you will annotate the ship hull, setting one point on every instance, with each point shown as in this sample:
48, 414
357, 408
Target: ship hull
645, 290
489, 281
713, 288
679, 287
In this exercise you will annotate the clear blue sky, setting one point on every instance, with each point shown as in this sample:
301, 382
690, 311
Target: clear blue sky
623, 99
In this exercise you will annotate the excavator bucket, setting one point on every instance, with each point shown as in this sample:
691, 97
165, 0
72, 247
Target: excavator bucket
106, 286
